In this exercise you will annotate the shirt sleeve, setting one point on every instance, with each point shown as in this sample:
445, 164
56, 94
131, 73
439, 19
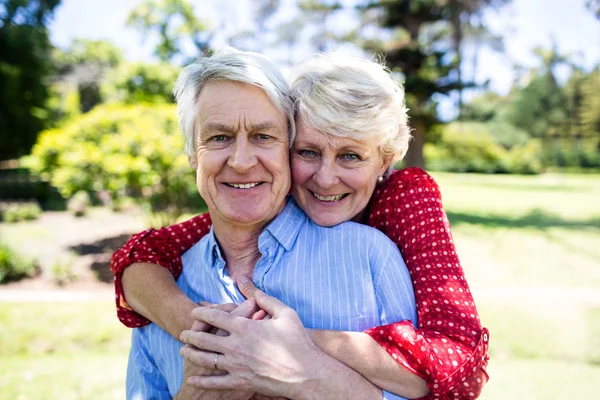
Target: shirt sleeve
450, 346
162, 247
144, 379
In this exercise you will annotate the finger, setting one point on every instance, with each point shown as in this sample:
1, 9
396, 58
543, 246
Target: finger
199, 326
217, 318
202, 359
218, 382
227, 307
246, 286
205, 304
246, 309
270, 304
203, 341
259, 315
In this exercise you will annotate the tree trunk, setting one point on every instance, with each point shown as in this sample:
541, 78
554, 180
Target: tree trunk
414, 156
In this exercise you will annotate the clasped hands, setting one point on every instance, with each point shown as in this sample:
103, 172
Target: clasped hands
255, 350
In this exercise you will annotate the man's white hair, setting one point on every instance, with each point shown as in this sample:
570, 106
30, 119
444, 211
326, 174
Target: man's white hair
229, 65
353, 97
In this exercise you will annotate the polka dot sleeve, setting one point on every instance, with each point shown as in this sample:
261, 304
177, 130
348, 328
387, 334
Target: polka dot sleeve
449, 350
163, 247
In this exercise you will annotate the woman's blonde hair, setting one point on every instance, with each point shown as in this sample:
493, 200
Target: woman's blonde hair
353, 97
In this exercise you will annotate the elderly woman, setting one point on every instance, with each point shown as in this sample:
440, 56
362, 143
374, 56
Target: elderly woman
351, 126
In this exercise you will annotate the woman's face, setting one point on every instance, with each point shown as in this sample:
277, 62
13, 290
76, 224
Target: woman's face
333, 178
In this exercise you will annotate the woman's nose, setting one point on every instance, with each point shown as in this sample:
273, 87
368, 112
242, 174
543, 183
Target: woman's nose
326, 176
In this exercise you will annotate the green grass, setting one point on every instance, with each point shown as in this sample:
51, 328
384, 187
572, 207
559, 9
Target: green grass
530, 247
30, 329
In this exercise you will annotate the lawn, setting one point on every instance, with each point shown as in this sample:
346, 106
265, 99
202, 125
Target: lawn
530, 247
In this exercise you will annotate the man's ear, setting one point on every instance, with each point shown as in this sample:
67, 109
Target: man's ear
193, 162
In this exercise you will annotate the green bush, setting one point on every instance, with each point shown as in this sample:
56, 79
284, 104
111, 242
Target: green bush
15, 212
125, 151
466, 147
474, 147
13, 267
78, 204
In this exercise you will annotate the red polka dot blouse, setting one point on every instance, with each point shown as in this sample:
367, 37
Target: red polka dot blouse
448, 350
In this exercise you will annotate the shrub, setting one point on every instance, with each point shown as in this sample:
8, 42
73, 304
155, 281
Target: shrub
134, 151
474, 147
79, 203
15, 212
13, 267
466, 147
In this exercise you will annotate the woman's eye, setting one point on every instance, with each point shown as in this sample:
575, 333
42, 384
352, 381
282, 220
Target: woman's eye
307, 153
350, 157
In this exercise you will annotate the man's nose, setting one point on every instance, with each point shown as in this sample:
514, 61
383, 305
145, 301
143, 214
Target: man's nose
327, 175
243, 157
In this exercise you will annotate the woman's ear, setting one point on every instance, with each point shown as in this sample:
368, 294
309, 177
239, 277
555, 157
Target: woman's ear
385, 166
193, 162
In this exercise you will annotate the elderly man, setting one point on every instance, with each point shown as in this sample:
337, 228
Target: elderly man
348, 277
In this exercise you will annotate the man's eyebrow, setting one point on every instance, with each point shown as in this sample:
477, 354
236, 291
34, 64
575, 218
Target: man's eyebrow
264, 126
216, 127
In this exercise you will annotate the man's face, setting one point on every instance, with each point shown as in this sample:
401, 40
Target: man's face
242, 168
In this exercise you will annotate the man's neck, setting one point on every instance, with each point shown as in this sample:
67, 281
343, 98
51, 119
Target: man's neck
239, 246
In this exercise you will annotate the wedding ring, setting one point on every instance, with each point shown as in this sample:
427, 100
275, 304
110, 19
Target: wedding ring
216, 361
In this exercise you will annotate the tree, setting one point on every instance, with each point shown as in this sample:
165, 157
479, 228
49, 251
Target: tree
24, 65
132, 83
423, 48
173, 21
80, 71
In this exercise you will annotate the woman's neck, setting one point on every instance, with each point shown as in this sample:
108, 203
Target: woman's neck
239, 246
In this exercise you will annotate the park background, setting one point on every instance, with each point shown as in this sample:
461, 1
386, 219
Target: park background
504, 100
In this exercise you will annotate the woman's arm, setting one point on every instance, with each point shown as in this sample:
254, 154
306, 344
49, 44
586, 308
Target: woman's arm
151, 291
360, 352
450, 344
143, 285
363, 354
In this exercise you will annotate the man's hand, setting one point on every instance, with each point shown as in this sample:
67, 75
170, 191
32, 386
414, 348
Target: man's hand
272, 357
244, 310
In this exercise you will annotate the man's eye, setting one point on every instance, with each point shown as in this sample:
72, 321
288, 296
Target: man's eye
350, 157
263, 136
307, 153
218, 138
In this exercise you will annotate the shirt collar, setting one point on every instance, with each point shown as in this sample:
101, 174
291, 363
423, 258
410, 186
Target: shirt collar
284, 229
286, 226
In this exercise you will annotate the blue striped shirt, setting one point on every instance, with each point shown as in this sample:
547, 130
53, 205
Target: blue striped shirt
349, 277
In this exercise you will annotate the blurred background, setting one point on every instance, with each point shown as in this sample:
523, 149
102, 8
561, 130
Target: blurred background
504, 99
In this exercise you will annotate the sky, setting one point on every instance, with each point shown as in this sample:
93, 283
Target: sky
524, 25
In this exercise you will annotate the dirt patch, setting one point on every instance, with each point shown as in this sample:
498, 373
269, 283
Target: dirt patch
68, 245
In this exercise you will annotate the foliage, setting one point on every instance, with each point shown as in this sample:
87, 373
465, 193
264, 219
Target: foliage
133, 151
471, 147
62, 271
21, 211
173, 21
425, 48
80, 72
24, 65
78, 204
141, 83
13, 267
